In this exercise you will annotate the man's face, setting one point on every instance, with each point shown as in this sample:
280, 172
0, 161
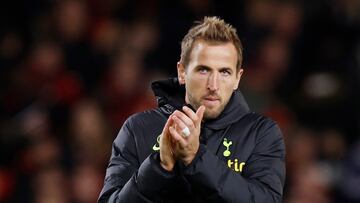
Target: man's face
210, 77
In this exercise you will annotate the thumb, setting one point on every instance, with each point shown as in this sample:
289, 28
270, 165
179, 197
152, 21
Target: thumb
168, 123
200, 113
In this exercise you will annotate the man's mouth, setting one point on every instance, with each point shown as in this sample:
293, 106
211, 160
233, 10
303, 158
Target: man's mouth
211, 101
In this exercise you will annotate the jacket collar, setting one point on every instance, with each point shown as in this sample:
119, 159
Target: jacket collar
170, 95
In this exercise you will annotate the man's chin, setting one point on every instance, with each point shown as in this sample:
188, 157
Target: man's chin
211, 112
208, 115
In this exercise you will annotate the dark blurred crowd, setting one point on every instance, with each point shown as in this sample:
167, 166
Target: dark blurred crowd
72, 71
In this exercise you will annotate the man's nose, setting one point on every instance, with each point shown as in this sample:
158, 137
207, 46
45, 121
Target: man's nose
213, 82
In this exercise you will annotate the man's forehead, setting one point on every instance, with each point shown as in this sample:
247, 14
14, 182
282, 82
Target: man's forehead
220, 54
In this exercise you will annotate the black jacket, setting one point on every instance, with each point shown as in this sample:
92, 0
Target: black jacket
240, 159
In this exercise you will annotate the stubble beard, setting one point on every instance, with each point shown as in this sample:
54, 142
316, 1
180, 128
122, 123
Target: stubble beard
208, 115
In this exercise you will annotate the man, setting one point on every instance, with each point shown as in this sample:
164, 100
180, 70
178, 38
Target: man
202, 144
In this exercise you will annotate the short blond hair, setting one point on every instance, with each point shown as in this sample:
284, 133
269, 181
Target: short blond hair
212, 30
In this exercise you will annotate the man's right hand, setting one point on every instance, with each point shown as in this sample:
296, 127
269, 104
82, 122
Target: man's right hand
167, 159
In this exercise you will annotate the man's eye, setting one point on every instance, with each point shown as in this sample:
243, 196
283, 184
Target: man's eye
225, 72
203, 70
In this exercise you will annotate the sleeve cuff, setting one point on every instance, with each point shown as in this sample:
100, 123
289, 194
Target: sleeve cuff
151, 178
199, 154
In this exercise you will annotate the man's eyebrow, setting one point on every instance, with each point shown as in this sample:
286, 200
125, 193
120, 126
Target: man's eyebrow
200, 66
226, 68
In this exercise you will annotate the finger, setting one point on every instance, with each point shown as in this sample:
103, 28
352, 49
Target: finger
168, 123
200, 113
180, 125
184, 118
177, 137
165, 133
190, 113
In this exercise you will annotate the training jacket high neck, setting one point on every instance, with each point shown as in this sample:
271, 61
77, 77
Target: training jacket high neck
171, 96
240, 158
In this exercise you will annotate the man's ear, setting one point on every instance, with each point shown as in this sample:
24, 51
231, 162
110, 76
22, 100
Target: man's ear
238, 78
181, 73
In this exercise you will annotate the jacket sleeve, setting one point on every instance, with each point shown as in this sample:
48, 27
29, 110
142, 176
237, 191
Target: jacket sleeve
262, 179
126, 179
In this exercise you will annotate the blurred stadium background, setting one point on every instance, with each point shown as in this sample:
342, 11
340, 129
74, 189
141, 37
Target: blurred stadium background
72, 71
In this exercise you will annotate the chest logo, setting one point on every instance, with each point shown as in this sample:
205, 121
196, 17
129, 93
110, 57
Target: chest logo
233, 164
156, 146
227, 144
